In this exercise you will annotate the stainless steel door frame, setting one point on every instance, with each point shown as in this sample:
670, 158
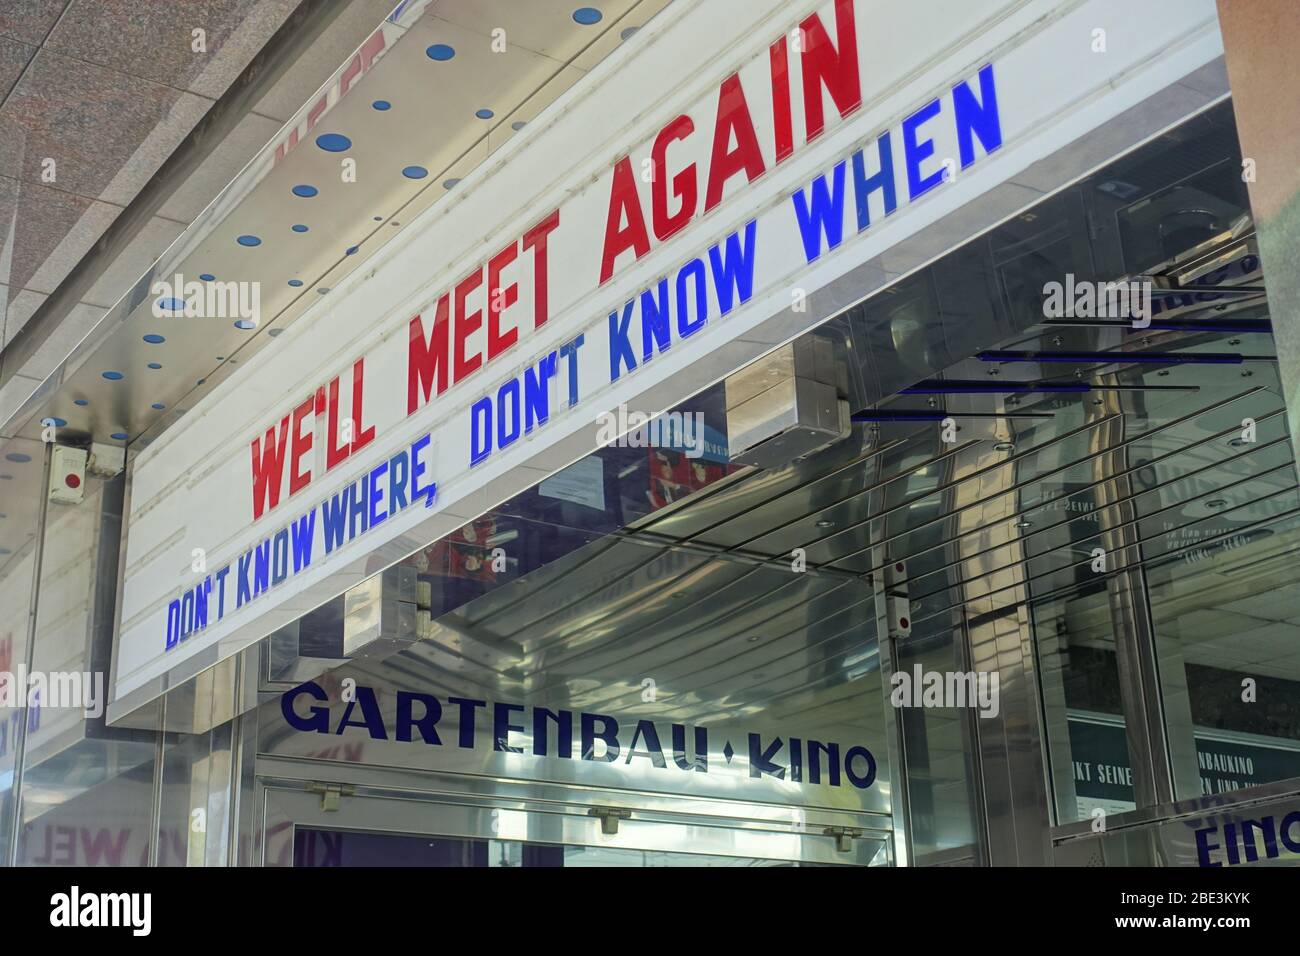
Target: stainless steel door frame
382, 800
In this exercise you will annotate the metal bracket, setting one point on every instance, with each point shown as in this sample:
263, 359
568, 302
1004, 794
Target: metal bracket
843, 837
330, 794
609, 817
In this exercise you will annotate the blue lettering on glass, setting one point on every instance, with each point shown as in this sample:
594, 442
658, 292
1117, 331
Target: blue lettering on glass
306, 709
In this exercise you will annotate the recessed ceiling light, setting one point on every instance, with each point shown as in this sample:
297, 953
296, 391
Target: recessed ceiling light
1005, 446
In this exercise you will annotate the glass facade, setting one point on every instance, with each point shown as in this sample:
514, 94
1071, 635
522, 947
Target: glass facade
656, 657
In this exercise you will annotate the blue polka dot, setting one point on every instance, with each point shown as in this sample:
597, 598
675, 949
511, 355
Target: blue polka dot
56, 422
587, 16
207, 277
153, 338
171, 305
18, 458
298, 227
628, 33
484, 113
80, 401
155, 366
333, 142
517, 125
440, 52
158, 405
323, 289
448, 183
382, 105
295, 282
379, 219
200, 381
112, 376
249, 241
303, 190
274, 332
120, 436
415, 172
350, 251
245, 324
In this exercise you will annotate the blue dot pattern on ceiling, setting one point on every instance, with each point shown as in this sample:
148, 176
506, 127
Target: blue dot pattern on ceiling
120, 436
323, 289
333, 142
155, 366
298, 227
245, 324
171, 305
448, 183
304, 190
628, 33
200, 381
153, 338
350, 251
18, 458
484, 113
158, 405
274, 332
587, 16
249, 241
112, 376
517, 125
80, 401
440, 52
56, 422
295, 282
415, 172
382, 105
207, 277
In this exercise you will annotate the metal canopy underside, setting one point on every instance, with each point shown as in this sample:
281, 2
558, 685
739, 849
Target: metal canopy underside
452, 100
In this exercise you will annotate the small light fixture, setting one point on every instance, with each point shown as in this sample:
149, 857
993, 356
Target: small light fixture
1024, 523
825, 523
1005, 446
1216, 503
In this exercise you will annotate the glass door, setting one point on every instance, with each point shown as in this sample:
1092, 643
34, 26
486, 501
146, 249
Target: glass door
314, 826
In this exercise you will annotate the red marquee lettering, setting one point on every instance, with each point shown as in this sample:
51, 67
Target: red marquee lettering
832, 66
624, 206
733, 121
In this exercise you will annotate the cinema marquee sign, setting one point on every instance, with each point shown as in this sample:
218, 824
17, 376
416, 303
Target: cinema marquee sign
397, 410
